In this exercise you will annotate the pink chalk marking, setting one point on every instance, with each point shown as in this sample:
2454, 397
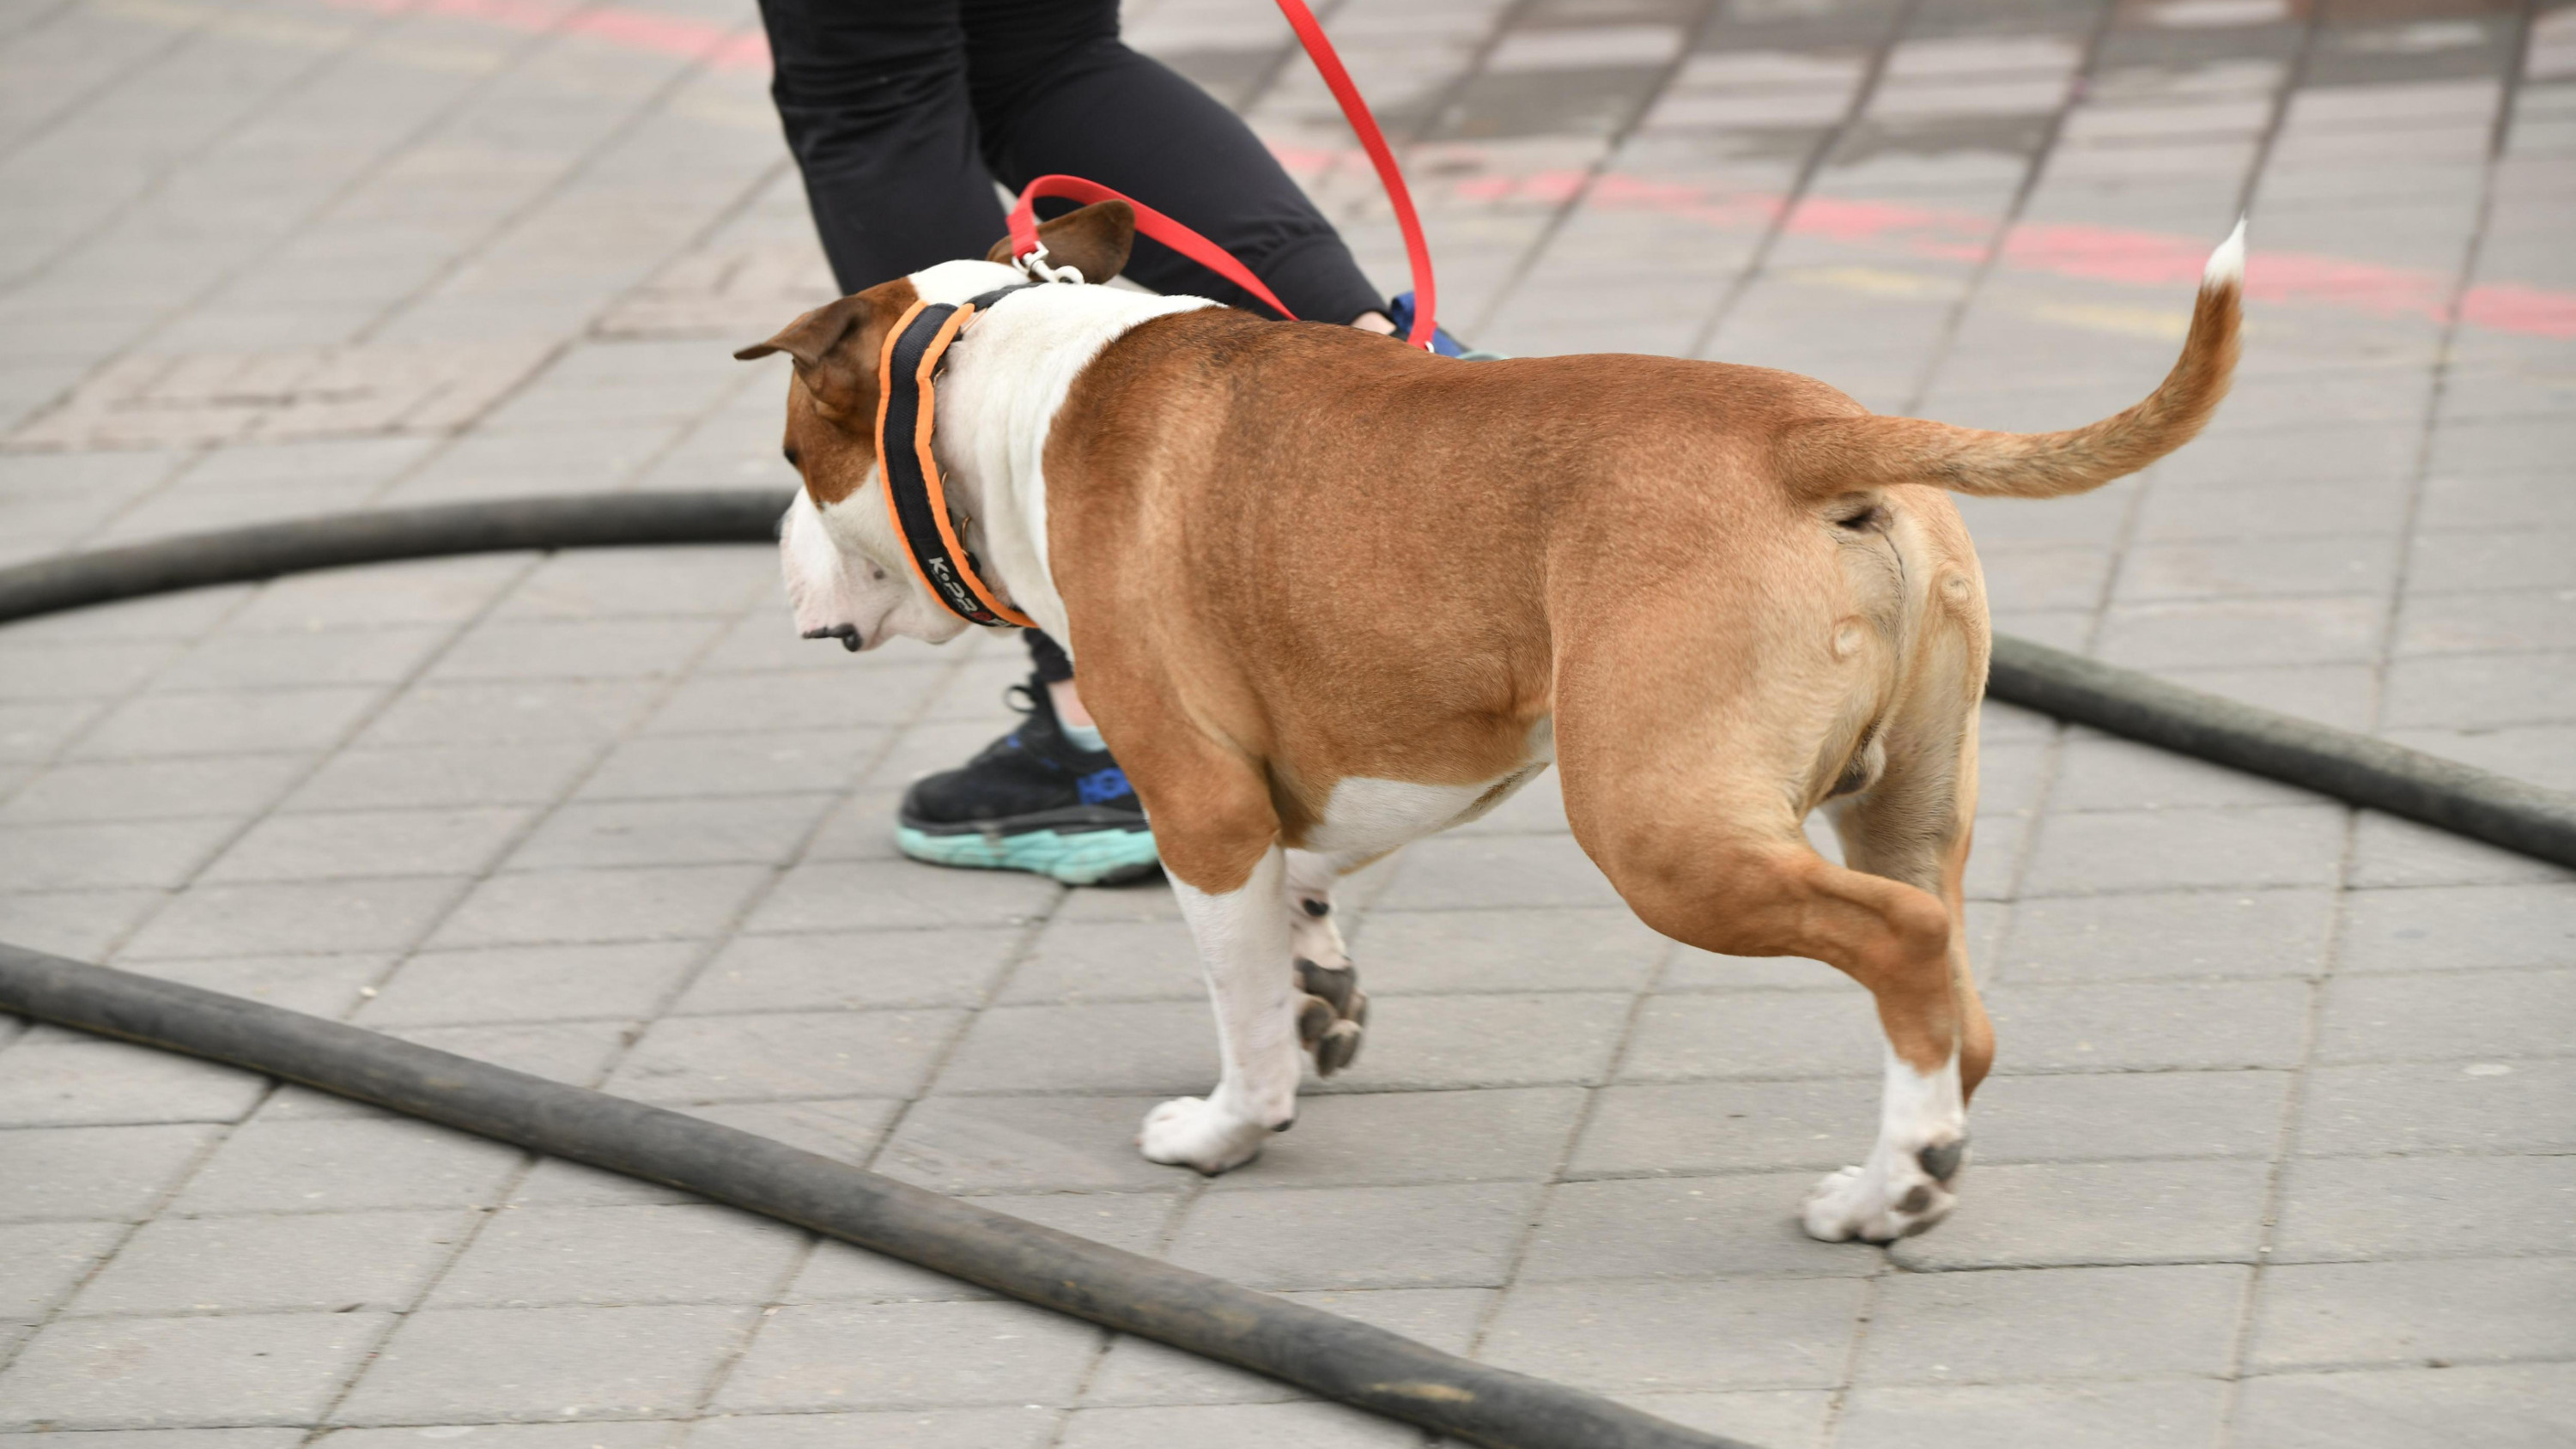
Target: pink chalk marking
2060, 249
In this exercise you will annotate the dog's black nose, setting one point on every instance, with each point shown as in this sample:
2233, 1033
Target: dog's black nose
848, 634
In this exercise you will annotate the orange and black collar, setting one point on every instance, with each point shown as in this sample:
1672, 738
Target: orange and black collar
916, 498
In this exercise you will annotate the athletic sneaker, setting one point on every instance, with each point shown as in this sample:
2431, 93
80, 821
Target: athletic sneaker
1400, 312
1032, 801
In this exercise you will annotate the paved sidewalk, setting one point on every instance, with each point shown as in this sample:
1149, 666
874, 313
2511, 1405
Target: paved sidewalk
2279, 1149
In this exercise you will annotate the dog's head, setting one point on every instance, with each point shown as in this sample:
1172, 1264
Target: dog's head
848, 576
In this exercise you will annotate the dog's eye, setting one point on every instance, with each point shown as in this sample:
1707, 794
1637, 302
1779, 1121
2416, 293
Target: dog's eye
793, 459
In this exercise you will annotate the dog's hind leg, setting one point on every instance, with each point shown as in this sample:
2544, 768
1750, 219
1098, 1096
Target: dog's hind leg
1692, 809
1913, 826
1334, 1010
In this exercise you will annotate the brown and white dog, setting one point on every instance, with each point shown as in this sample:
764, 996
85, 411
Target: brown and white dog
1330, 595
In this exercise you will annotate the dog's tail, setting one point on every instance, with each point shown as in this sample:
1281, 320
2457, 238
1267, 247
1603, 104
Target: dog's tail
1822, 457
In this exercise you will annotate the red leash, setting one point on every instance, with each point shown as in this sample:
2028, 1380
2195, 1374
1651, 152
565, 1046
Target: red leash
1417, 251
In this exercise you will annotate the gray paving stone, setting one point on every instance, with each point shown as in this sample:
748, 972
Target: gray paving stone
2163, 850
2246, 631
2340, 1208
820, 1054
1678, 1336
1497, 1134
1141, 1371
627, 1255
106, 854
1565, 949
269, 660
808, 699
1289, 1426
95, 1172
762, 830
347, 1164
727, 765
896, 895
444, 776
2168, 933
2113, 1415
2063, 1117
1774, 1418
2449, 1311
1160, 1046
1753, 1034
1430, 1043
628, 583
60, 1079
244, 1369
317, 1263
1056, 1140
2449, 1015
2085, 1214
227, 722
2451, 927
2509, 1407
867, 1355
2391, 852
47, 1260
1686, 1128
636, 903
518, 712
1455, 871
2151, 1026
854, 969
585, 649
2095, 772
232, 786
369, 843
598, 1434
166, 1439
2487, 1106
480, 1365
1108, 961
531, 983
261, 919
1682, 1227
1447, 1236
2074, 1323
1012, 1427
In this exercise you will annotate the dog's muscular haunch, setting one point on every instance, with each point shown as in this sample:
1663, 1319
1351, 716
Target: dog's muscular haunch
1330, 595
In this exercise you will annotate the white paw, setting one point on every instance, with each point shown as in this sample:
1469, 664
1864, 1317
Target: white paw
1891, 1197
1194, 1132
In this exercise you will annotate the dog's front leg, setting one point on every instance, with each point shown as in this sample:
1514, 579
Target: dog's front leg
1243, 941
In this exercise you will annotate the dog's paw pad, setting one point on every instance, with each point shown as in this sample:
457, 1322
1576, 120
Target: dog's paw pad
1195, 1133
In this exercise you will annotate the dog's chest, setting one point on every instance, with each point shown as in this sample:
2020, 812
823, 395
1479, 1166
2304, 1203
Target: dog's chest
1365, 816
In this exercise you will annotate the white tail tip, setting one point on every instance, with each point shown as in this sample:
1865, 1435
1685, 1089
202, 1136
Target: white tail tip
2227, 264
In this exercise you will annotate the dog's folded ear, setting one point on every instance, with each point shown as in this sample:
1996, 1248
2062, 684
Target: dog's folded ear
835, 348
1094, 240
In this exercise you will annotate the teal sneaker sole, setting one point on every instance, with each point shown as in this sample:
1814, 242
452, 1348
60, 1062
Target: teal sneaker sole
1081, 857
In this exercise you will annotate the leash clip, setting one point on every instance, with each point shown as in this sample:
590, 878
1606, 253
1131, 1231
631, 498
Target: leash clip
1035, 264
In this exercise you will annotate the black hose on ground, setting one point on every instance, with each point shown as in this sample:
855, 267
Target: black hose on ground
2455, 797
1331, 1355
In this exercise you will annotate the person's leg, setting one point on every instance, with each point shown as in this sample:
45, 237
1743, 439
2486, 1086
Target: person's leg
874, 98
1054, 90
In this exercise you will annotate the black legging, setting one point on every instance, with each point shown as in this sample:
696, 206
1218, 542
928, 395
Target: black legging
902, 113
